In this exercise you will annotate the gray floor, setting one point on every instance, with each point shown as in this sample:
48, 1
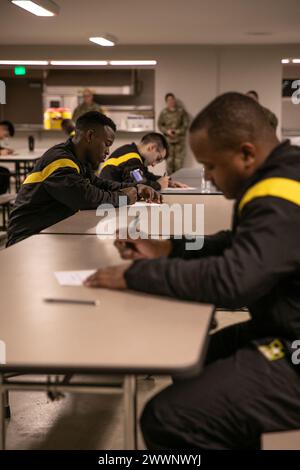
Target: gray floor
79, 421
75, 422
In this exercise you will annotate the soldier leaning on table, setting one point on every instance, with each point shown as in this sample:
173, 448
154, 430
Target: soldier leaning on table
173, 122
63, 180
130, 163
250, 381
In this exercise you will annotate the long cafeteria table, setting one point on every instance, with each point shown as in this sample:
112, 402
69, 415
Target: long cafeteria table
124, 333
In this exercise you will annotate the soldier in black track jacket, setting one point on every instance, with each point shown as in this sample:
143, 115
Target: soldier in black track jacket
130, 163
63, 180
250, 382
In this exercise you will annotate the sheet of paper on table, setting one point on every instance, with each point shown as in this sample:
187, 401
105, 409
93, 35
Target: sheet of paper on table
179, 189
144, 204
72, 278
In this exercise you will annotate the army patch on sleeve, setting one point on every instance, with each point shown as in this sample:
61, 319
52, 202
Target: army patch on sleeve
272, 351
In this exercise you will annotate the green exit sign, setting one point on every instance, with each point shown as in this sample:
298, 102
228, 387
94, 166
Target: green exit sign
20, 70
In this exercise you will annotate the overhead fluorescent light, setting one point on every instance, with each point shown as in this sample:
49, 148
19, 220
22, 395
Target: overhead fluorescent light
285, 61
106, 41
79, 62
24, 62
38, 7
133, 62
296, 61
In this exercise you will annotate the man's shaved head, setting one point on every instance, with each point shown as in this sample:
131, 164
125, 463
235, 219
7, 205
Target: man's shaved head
233, 118
231, 137
95, 133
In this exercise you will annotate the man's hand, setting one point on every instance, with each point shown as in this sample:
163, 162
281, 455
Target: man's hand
131, 193
111, 277
148, 194
6, 151
163, 181
171, 132
177, 184
143, 249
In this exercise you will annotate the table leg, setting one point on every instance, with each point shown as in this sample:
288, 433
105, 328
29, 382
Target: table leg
130, 412
2, 414
18, 176
3, 216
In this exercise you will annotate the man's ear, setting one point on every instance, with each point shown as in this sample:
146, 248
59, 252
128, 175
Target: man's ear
89, 135
248, 151
150, 146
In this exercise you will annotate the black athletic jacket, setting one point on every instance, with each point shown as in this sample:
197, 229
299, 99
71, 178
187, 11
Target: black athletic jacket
58, 186
257, 264
122, 162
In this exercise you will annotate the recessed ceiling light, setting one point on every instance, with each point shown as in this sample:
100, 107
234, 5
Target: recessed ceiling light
133, 62
285, 61
106, 41
79, 62
38, 7
296, 61
24, 62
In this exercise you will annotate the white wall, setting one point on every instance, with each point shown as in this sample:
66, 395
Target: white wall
197, 74
253, 68
191, 74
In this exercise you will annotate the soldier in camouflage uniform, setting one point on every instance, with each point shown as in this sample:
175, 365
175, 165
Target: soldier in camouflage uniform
87, 105
173, 122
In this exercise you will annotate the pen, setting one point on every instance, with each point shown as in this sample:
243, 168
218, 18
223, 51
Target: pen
72, 301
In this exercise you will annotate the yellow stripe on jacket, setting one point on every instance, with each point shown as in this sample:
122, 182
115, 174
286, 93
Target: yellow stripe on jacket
116, 161
39, 176
282, 188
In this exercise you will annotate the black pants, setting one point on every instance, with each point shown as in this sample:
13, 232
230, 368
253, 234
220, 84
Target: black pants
4, 179
239, 395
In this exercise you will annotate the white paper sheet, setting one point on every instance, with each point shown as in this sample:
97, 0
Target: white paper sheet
72, 278
179, 189
144, 204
